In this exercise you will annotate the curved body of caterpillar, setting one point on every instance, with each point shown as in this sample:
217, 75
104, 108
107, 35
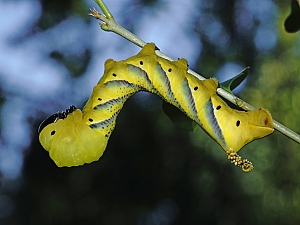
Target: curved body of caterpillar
81, 136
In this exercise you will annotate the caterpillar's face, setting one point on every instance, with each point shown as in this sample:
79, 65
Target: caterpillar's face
69, 140
238, 127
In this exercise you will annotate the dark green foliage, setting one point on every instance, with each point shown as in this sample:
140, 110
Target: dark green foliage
178, 117
76, 64
55, 11
292, 22
231, 84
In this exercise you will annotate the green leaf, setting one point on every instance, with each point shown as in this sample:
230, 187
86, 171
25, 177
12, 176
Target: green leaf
178, 117
291, 24
232, 83
76, 64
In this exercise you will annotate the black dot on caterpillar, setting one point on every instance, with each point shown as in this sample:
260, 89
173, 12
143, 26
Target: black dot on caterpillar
77, 141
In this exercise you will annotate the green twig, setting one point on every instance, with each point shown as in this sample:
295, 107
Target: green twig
109, 24
104, 9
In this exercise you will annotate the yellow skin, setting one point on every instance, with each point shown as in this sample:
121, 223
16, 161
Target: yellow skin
71, 149
82, 137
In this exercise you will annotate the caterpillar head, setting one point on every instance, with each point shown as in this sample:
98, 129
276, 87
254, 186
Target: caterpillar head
69, 140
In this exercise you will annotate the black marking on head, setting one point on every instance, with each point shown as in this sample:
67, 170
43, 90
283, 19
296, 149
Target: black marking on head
238, 123
63, 115
91, 120
114, 74
195, 88
170, 70
56, 116
51, 119
218, 107
141, 62
157, 48
100, 99
52, 132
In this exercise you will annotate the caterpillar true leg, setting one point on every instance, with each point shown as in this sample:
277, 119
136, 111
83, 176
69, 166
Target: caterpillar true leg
80, 137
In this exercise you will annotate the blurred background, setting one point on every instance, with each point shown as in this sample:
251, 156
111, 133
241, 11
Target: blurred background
153, 171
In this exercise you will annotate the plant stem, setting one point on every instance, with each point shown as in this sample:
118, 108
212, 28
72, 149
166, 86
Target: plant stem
104, 9
109, 24
113, 26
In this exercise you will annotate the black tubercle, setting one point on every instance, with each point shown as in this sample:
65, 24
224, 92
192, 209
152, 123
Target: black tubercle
56, 116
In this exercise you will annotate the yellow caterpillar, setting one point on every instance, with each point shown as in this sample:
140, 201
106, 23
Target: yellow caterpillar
76, 137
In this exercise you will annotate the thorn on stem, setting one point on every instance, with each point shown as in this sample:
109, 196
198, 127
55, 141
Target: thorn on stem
95, 13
